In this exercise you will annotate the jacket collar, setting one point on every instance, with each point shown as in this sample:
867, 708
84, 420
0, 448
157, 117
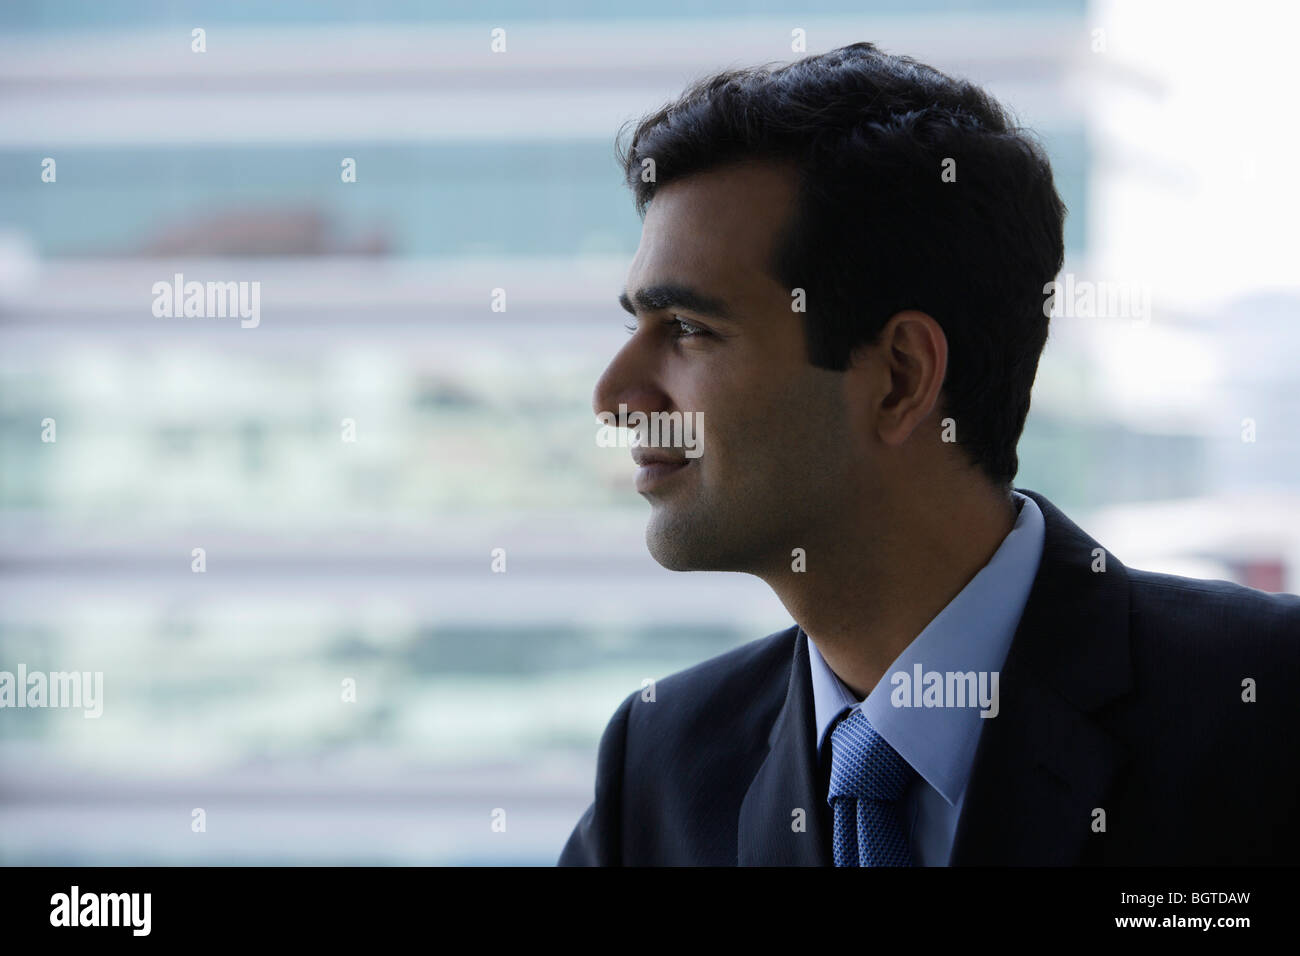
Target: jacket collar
1041, 766
783, 820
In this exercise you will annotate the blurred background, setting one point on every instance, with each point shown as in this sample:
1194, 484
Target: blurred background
1171, 436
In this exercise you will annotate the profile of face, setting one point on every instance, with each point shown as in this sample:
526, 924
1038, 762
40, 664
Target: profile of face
715, 335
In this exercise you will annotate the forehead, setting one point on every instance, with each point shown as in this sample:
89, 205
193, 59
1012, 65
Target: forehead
715, 230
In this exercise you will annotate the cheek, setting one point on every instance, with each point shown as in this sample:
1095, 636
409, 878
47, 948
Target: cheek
745, 432
801, 426
753, 420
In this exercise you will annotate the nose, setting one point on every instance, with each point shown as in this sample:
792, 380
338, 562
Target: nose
630, 380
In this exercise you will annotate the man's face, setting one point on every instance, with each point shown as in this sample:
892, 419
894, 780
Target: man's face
777, 449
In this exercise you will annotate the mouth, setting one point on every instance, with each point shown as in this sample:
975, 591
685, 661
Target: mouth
652, 472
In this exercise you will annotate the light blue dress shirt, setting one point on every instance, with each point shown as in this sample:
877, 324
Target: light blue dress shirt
972, 633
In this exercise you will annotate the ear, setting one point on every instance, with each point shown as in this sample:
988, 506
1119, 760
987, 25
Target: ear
912, 353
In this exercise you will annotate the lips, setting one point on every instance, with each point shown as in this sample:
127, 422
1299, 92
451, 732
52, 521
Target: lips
643, 457
655, 469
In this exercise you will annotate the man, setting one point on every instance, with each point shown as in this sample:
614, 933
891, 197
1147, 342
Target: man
842, 272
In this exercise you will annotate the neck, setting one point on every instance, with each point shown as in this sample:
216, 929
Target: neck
872, 584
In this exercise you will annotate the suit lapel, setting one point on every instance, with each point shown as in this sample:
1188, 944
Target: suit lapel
1044, 764
785, 783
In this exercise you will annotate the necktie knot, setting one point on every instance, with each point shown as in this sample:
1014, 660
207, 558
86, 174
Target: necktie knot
868, 778
863, 765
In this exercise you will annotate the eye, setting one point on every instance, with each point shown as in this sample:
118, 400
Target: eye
684, 329
679, 327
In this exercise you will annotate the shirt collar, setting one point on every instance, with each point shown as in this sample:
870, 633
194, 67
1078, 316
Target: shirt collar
972, 633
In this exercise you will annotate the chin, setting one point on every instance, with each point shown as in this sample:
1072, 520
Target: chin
671, 543
680, 544
668, 554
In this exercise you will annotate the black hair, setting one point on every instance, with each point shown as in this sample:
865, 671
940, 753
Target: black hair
877, 228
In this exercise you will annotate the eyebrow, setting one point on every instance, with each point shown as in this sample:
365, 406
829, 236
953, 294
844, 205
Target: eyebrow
673, 295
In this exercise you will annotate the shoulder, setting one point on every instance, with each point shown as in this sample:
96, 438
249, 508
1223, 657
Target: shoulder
1216, 665
678, 755
736, 670
1214, 697
736, 692
1214, 616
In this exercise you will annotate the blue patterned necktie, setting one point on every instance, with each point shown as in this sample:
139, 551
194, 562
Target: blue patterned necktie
868, 779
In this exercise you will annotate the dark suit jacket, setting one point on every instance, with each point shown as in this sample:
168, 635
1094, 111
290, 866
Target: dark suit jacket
1122, 691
